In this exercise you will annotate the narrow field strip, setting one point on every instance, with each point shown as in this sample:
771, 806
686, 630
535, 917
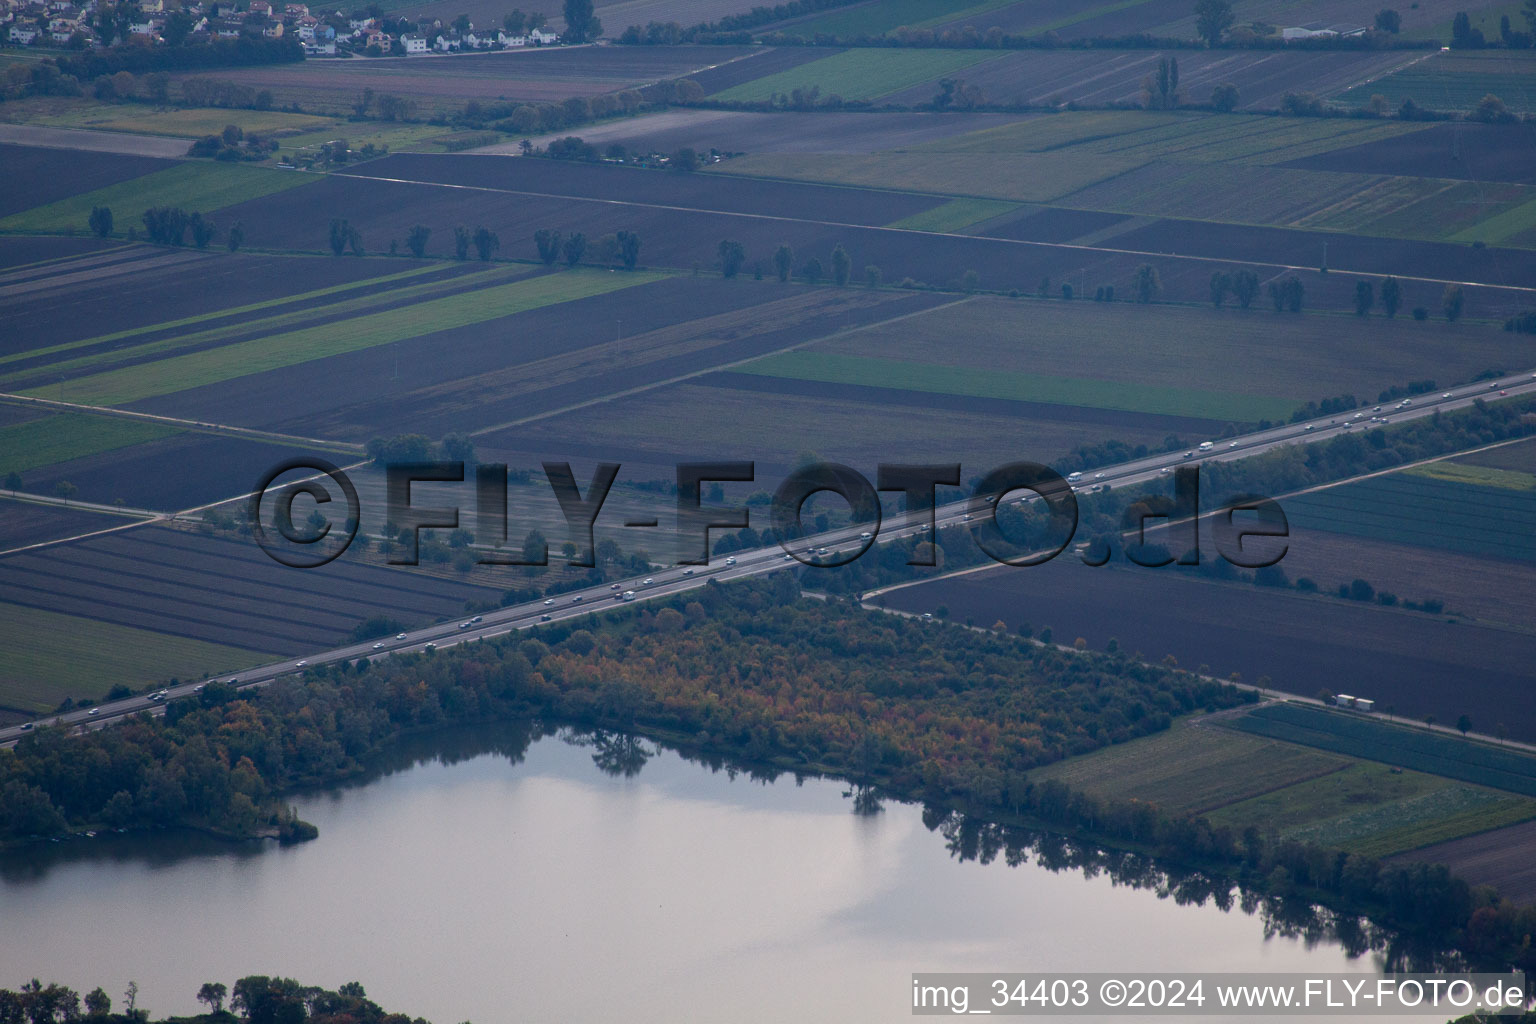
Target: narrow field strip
195, 369
955, 215
272, 323
1022, 387
221, 314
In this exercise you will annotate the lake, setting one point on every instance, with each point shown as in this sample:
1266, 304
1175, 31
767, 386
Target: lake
492, 876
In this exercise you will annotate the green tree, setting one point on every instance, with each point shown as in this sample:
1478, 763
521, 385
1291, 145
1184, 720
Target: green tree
1245, 285
1146, 283
1464, 724
629, 248
812, 270
573, 248
1221, 286
236, 236
416, 240
783, 260
101, 221
1365, 298
1163, 88
1212, 18
872, 275
842, 266
1224, 97
13, 481
732, 255
684, 160
1391, 296
66, 490
1529, 13
486, 243
1453, 301
341, 234
98, 1003
213, 994
203, 230
461, 241
514, 21
1388, 20
581, 25
462, 24
548, 242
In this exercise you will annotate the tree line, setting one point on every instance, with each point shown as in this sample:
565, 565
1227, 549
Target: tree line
256, 998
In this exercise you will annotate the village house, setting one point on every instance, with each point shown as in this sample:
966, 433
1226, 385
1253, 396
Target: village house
414, 42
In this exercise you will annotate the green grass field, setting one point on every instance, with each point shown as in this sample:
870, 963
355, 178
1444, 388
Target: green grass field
195, 369
45, 657
1512, 224
303, 297
192, 186
49, 440
244, 328
955, 215
1023, 387
190, 123
1026, 178
1192, 769
862, 74
1477, 476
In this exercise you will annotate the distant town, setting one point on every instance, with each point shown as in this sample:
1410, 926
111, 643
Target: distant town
94, 25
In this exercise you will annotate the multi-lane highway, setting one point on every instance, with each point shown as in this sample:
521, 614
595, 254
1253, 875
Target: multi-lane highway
669, 581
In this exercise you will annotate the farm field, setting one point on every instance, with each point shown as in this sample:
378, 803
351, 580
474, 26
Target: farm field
447, 83
1232, 355
955, 215
136, 290
1425, 509
1300, 643
1469, 151
86, 140
46, 657
222, 591
1481, 764
1494, 591
538, 362
1018, 386
1518, 458
210, 366
1501, 857
1192, 768
875, 19
860, 74
748, 131
193, 186
1087, 77
23, 523
45, 176
1457, 80
185, 122
1288, 791
49, 439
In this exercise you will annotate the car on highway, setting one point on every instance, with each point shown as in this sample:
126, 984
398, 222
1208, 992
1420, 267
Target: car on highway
479, 618
1309, 426
1377, 409
398, 636
730, 561
1446, 395
1232, 444
549, 601
545, 617
94, 711
577, 599
464, 624
611, 586
688, 572
647, 581
429, 646
297, 664
1166, 469
1190, 455
379, 646
866, 535
25, 726
1098, 476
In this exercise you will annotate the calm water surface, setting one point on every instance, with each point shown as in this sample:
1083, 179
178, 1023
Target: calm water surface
494, 890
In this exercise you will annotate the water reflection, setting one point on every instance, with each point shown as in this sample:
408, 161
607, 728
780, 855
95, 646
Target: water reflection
484, 867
